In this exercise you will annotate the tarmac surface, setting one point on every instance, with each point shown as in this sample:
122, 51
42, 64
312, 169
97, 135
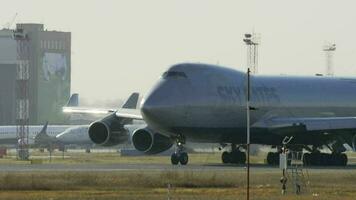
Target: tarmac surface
150, 167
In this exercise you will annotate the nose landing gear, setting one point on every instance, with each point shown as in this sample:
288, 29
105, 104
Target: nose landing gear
180, 156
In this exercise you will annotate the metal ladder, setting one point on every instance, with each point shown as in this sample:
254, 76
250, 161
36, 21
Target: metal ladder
296, 173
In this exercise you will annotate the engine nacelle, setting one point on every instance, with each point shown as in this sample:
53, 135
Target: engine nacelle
149, 142
109, 131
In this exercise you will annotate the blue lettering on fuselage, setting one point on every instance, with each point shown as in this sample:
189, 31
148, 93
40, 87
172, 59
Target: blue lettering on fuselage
262, 95
229, 93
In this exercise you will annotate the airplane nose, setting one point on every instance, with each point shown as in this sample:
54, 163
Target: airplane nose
149, 107
156, 103
165, 103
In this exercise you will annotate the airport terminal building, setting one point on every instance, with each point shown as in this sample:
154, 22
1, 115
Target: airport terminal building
49, 55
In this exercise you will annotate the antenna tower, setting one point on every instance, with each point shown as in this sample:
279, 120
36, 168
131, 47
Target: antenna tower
22, 93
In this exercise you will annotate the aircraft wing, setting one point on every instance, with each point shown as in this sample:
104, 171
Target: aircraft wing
121, 112
127, 110
129, 113
84, 110
292, 125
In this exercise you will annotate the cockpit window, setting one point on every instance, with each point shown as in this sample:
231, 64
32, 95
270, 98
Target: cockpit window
174, 74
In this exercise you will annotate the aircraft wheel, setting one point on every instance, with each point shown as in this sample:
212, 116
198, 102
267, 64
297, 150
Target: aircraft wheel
183, 158
306, 159
272, 158
242, 157
333, 159
237, 157
174, 159
315, 159
343, 159
276, 158
226, 157
234, 157
325, 159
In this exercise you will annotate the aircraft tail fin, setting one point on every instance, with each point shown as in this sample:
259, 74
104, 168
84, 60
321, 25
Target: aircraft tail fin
42, 135
44, 129
131, 102
73, 100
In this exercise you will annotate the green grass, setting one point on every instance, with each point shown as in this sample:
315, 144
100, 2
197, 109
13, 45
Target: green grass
184, 185
145, 184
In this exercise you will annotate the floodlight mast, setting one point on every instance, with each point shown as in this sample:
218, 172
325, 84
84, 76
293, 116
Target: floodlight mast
252, 41
329, 50
248, 133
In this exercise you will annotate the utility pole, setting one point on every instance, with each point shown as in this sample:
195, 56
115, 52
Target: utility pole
248, 133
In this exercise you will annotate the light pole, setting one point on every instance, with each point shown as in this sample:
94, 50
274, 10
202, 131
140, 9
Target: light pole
252, 41
329, 50
248, 133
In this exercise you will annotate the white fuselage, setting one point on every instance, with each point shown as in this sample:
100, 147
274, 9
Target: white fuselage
75, 135
8, 134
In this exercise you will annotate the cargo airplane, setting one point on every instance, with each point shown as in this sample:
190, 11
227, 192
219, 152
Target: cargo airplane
207, 104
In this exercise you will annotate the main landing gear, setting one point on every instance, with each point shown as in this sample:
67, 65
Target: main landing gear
180, 156
315, 158
273, 158
325, 159
234, 156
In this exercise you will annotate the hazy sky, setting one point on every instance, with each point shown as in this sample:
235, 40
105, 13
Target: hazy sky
123, 46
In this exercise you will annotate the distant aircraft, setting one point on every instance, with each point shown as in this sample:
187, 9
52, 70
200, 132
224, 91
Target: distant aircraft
207, 104
8, 134
37, 134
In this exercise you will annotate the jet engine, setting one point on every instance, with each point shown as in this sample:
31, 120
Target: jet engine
149, 142
109, 131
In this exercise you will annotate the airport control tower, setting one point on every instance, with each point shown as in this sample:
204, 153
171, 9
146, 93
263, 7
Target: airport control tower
49, 74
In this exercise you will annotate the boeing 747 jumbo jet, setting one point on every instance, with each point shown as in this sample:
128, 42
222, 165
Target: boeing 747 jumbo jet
207, 103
